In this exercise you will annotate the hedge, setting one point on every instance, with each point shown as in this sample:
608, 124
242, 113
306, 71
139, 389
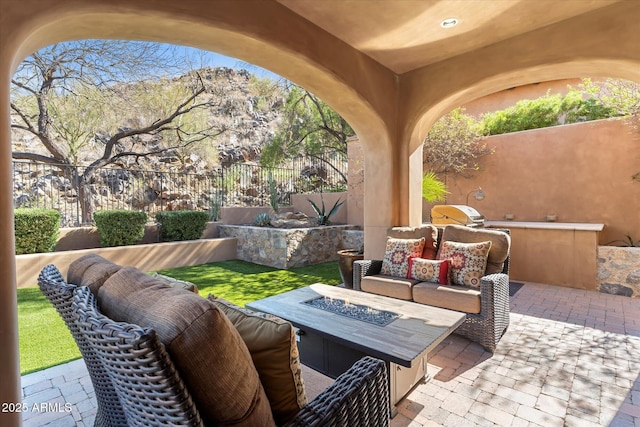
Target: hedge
181, 225
120, 227
36, 230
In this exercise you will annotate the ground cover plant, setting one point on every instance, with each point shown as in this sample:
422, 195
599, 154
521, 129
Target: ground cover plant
45, 341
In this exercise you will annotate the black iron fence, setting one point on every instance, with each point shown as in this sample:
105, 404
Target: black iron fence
77, 194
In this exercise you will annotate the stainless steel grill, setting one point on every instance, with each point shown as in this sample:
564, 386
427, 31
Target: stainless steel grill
456, 214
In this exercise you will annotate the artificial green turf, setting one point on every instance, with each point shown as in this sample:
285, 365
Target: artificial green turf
45, 341
241, 282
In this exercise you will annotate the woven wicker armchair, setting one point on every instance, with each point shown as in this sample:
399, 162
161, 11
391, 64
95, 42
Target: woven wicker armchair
135, 381
60, 295
487, 327
152, 392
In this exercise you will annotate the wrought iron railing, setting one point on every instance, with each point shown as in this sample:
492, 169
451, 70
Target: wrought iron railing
77, 195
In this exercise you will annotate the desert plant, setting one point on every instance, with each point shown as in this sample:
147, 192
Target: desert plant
455, 145
36, 230
214, 210
273, 194
263, 219
626, 242
433, 190
120, 227
323, 217
181, 225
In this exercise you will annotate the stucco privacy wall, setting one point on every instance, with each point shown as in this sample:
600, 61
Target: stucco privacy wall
580, 172
147, 257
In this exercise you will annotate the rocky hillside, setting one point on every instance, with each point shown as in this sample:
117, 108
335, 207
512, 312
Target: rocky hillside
249, 107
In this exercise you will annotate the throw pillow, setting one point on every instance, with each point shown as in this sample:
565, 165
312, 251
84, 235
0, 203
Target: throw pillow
428, 231
468, 261
397, 253
500, 243
208, 351
429, 270
272, 344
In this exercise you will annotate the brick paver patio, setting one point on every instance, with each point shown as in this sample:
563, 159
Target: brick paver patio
569, 358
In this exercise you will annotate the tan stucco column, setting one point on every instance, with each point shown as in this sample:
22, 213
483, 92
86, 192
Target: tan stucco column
392, 190
9, 357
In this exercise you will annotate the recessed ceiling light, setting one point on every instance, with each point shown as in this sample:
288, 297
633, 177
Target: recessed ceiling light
449, 23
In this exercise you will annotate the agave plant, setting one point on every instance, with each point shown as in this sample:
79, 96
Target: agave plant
263, 219
323, 216
627, 242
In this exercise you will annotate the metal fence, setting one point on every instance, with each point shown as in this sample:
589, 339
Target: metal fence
62, 187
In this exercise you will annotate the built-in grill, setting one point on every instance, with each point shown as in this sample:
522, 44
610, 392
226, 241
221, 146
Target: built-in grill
456, 214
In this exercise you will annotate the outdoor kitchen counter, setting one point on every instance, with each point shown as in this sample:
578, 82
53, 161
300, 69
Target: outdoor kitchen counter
556, 253
572, 226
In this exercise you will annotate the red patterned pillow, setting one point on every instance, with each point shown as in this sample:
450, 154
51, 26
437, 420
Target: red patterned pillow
468, 261
429, 270
397, 254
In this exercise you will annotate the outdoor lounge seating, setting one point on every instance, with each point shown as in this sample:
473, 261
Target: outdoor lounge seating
135, 369
486, 303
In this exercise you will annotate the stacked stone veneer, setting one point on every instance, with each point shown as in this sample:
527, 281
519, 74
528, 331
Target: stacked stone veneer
619, 270
287, 248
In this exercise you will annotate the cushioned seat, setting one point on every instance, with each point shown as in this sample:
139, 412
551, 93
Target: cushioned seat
201, 341
459, 298
186, 352
390, 286
485, 274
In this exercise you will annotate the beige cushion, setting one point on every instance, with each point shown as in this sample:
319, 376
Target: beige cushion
459, 298
212, 359
79, 266
397, 255
175, 283
272, 344
394, 287
429, 232
500, 243
95, 275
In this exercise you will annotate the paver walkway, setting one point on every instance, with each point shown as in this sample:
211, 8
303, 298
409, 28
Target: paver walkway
569, 358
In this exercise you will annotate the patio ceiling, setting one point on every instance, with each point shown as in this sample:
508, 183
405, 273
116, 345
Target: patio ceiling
406, 35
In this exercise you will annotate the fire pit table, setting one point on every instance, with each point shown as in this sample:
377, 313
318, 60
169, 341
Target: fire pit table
338, 326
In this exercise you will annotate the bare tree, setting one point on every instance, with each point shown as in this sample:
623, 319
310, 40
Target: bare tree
115, 98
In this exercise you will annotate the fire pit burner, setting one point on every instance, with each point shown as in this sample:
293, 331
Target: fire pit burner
354, 311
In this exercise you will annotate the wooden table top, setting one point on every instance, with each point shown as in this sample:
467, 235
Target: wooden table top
418, 329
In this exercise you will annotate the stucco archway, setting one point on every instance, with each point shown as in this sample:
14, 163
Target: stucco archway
323, 46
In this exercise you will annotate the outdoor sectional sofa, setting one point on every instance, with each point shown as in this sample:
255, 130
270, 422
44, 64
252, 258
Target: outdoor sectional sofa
486, 303
158, 354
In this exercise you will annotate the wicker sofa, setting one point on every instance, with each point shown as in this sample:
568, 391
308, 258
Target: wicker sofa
185, 363
487, 306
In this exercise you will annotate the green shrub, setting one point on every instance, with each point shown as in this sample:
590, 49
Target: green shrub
119, 227
36, 230
546, 111
181, 225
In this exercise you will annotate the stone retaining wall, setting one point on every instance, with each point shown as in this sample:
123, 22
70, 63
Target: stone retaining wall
286, 248
619, 270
